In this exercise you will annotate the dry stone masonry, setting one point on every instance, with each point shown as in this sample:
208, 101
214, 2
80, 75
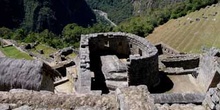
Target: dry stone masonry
114, 71
132, 98
209, 72
141, 58
212, 99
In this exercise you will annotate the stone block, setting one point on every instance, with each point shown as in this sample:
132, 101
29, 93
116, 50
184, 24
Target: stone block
199, 107
135, 98
208, 102
218, 86
4, 107
215, 98
218, 93
217, 107
24, 107
212, 91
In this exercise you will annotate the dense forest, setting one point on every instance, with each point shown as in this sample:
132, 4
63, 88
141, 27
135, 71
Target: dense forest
37, 15
60, 23
119, 10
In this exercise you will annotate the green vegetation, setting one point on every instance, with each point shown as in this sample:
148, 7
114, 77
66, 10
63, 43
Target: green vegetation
145, 24
46, 49
73, 55
118, 10
192, 32
38, 15
140, 17
12, 52
70, 35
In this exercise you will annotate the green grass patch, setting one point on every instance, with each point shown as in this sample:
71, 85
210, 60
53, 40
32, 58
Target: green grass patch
12, 52
73, 55
47, 50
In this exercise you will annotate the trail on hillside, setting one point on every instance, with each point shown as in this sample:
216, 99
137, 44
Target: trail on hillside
105, 15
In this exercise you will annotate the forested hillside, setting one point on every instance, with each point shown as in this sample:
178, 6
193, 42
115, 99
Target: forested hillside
119, 10
37, 15
145, 23
59, 23
142, 16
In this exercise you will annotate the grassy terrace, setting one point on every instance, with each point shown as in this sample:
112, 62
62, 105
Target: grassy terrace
12, 52
73, 55
47, 50
191, 32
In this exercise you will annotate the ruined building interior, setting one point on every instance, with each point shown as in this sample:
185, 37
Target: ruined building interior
107, 61
112, 60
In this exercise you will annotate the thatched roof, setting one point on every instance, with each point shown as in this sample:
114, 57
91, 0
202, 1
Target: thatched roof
25, 74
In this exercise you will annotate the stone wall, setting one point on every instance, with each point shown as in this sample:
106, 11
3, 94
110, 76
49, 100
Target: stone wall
185, 61
165, 49
143, 58
109, 44
132, 98
178, 98
207, 71
212, 99
143, 71
84, 75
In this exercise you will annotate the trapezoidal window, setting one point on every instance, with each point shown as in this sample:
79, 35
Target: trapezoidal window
140, 52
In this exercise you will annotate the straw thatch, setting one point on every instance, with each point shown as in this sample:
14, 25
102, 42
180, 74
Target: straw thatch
25, 74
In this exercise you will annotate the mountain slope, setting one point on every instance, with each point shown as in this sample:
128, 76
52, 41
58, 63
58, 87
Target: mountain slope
191, 33
37, 15
119, 10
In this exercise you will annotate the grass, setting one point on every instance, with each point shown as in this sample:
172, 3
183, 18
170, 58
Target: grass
186, 36
47, 50
73, 55
12, 52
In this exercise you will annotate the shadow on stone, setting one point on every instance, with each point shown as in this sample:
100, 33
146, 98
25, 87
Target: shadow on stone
165, 84
98, 83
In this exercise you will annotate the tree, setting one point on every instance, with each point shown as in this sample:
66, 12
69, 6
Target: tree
19, 34
5, 33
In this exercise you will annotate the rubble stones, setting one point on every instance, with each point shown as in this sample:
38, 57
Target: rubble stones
4, 107
212, 99
137, 98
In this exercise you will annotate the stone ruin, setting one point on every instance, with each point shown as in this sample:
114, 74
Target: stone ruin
110, 60
109, 69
